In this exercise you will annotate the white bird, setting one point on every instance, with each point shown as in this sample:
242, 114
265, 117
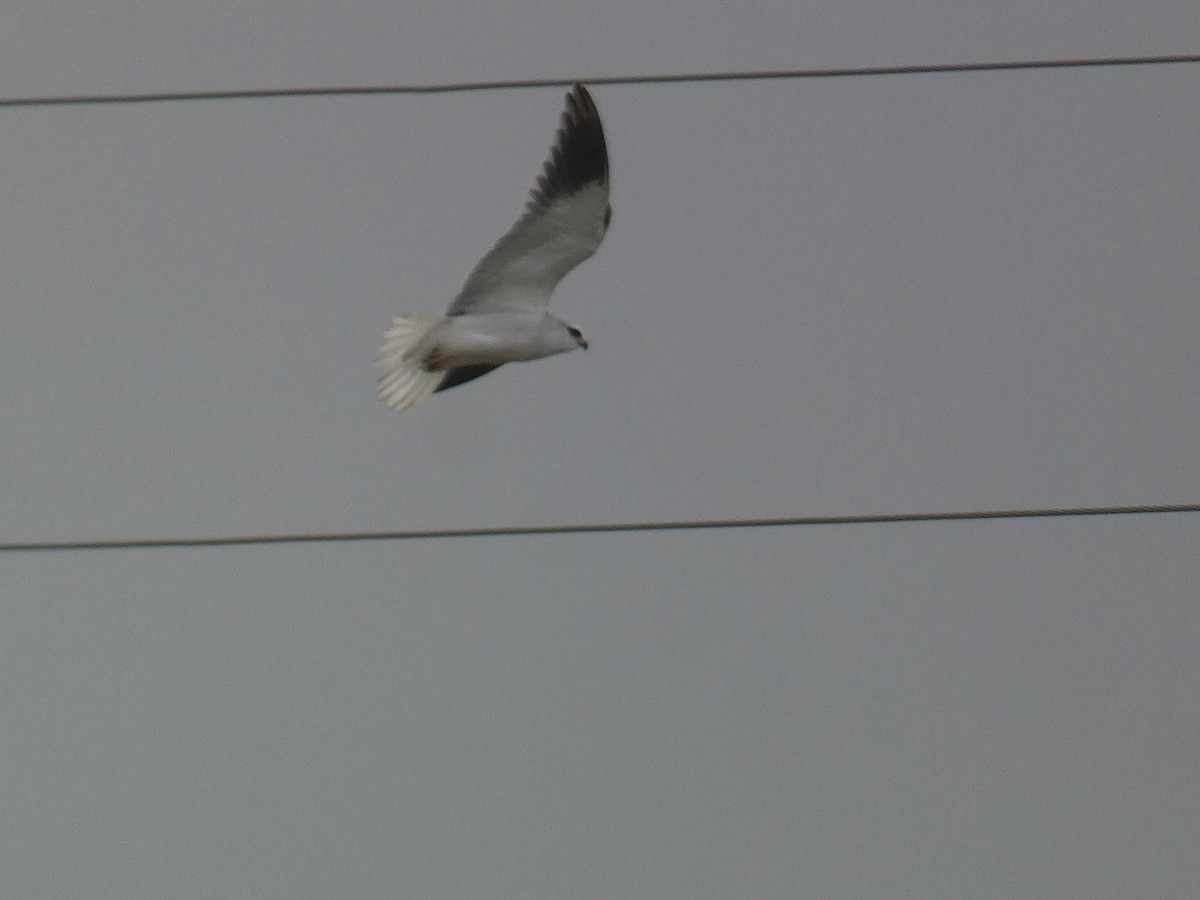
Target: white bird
501, 314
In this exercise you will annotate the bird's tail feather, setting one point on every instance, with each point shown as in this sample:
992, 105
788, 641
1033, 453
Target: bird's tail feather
405, 380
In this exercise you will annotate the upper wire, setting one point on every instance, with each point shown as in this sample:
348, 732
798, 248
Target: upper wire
524, 83
595, 528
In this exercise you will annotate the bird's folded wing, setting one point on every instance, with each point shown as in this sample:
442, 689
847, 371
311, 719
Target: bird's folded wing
564, 222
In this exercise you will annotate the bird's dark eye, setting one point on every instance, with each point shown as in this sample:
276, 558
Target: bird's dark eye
575, 332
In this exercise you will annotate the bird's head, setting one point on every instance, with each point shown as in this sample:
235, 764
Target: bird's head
577, 336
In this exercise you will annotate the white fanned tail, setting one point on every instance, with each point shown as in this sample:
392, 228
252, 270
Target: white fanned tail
404, 380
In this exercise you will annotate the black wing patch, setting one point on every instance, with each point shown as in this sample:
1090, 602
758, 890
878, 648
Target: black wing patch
579, 156
462, 375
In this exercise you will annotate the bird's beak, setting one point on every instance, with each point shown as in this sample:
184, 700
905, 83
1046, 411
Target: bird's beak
581, 341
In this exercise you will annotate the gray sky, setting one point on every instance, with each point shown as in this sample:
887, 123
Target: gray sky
817, 297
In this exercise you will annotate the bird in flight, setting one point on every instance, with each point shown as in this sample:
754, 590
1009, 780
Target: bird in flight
501, 313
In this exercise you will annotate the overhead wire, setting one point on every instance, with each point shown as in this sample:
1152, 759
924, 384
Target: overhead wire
525, 83
594, 528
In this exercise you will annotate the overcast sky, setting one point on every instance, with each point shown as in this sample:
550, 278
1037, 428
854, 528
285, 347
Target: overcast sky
918, 293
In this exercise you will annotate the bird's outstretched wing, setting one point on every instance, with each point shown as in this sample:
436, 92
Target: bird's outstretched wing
564, 221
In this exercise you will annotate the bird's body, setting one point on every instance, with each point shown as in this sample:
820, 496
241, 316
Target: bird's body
501, 313
494, 339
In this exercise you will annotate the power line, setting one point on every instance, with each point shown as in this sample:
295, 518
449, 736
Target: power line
600, 528
521, 83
